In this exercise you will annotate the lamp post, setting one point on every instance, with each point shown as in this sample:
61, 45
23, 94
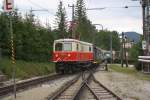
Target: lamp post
111, 48
100, 25
94, 35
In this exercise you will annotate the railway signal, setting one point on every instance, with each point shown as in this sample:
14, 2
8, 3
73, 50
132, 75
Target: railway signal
123, 50
144, 45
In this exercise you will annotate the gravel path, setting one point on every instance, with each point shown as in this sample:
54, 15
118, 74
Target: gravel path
40, 92
125, 86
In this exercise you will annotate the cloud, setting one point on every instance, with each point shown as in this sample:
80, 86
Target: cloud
121, 25
116, 18
113, 18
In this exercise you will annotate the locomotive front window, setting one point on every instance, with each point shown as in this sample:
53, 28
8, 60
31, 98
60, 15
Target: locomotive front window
67, 47
58, 47
63, 47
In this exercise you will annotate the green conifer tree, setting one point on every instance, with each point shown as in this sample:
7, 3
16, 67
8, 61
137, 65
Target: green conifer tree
61, 21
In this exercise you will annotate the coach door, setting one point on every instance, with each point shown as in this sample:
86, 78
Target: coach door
77, 50
94, 52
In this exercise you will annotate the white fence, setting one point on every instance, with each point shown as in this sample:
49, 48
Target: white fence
145, 62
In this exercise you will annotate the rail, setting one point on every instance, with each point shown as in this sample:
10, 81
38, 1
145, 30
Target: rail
25, 84
74, 89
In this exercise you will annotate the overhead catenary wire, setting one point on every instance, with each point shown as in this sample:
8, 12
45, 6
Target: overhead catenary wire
101, 8
41, 8
35, 4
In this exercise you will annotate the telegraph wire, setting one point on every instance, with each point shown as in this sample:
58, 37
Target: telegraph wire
35, 4
42, 8
101, 8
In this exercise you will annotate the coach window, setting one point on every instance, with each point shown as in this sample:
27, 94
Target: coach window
77, 47
82, 48
90, 49
58, 47
67, 47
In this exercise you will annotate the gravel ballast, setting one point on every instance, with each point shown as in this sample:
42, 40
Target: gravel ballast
42, 91
126, 86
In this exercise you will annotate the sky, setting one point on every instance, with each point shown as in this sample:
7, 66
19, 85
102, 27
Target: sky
113, 17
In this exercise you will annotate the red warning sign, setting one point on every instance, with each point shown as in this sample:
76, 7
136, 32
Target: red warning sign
8, 5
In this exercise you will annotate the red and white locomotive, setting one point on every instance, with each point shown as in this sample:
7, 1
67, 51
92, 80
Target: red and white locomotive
72, 55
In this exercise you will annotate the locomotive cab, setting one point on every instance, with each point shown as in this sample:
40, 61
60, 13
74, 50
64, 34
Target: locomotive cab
63, 46
71, 54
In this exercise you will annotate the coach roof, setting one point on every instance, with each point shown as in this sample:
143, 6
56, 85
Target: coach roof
72, 40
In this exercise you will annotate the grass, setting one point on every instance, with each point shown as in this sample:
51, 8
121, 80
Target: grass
130, 71
26, 69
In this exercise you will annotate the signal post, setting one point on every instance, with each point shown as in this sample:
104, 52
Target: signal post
8, 7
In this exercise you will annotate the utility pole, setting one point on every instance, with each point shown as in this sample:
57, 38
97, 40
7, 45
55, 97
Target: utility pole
8, 7
146, 24
13, 54
125, 51
122, 50
111, 48
73, 20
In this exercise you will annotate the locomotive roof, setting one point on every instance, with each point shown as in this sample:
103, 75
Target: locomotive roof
73, 40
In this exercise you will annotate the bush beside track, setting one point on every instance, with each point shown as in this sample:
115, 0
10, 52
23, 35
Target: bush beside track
26, 69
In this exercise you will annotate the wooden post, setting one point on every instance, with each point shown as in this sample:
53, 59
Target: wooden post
106, 67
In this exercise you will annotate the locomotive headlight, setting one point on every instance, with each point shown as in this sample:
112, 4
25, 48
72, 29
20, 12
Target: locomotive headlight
56, 55
69, 55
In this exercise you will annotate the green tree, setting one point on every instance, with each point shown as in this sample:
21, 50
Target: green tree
84, 28
4, 34
61, 21
18, 30
134, 52
102, 40
37, 40
80, 11
81, 19
32, 41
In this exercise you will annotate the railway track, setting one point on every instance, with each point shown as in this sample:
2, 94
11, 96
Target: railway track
68, 91
84, 88
28, 83
97, 91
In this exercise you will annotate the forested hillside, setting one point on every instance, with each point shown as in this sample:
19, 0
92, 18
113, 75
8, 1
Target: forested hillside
33, 41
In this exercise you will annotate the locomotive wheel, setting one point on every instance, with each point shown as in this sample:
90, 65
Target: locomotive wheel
62, 71
71, 69
57, 68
